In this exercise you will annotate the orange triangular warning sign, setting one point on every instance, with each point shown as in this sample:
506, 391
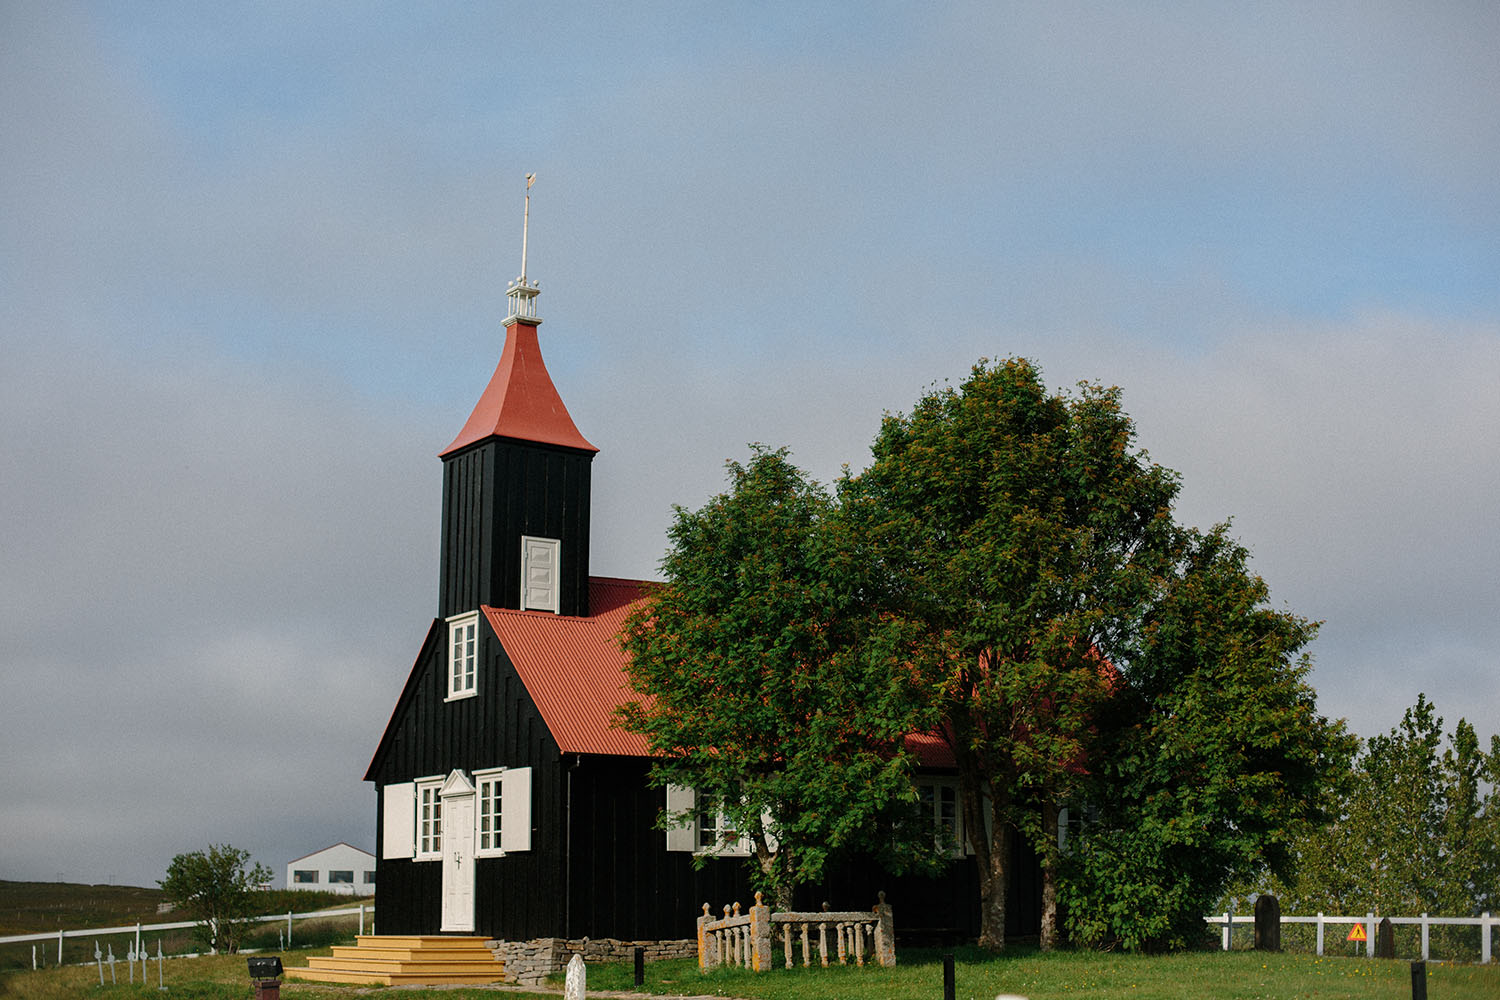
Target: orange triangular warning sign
1357, 933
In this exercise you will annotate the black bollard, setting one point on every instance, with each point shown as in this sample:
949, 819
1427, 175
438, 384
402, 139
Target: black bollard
640, 966
947, 977
1419, 981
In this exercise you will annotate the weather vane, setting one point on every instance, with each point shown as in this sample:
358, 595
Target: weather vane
526, 224
521, 294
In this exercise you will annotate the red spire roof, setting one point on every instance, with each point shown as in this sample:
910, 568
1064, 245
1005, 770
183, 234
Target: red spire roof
521, 402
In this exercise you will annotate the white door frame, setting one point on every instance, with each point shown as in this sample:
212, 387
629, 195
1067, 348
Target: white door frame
458, 854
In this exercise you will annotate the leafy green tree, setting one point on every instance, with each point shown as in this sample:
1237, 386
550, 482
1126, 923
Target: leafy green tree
762, 686
1020, 538
217, 887
1416, 830
1214, 757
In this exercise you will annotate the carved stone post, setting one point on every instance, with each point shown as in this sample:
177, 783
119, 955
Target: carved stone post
1267, 923
885, 933
707, 953
760, 935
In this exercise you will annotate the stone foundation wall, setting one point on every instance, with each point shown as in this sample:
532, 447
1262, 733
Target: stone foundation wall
528, 963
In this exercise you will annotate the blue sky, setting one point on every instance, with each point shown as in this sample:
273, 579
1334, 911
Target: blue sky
252, 266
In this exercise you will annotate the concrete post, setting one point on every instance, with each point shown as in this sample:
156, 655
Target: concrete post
760, 935
707, 954
885, 932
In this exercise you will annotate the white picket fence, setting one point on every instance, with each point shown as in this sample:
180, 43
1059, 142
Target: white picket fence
1485, 922
139, 929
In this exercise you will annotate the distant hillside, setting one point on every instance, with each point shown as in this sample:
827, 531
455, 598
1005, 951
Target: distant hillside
34, 907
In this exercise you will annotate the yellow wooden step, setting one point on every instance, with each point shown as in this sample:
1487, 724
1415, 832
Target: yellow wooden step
406, 960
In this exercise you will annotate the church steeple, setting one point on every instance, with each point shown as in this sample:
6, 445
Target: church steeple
516, 482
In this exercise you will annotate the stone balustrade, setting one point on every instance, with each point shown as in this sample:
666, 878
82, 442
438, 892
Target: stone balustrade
747, 939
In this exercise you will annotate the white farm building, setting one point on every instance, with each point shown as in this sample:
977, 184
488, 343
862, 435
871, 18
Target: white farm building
339, 868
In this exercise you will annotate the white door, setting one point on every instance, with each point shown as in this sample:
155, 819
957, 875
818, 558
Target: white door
458, 855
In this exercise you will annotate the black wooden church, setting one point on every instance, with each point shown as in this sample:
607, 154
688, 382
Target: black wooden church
508, 806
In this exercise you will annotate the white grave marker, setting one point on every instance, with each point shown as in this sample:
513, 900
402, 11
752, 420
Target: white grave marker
575, 986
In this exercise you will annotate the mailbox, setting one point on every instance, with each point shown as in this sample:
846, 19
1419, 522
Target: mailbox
267, 967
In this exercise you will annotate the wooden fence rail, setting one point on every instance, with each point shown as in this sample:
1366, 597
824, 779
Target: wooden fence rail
747, 939
138, 929
1485, 922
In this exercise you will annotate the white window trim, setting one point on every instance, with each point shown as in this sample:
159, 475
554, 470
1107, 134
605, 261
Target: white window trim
489, 776
527, 542
685, 836
468, 681
513, 833
930, 815
428, 848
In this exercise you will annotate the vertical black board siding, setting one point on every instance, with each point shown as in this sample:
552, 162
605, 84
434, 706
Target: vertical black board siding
497, 491
626, 884
518, 896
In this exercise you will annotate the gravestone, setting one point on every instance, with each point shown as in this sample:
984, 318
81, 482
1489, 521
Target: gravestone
1267, 923
575, 986
1385, 939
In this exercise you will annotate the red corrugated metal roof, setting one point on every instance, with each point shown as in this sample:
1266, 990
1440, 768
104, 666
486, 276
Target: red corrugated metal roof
574, 668
521, 402
931, 750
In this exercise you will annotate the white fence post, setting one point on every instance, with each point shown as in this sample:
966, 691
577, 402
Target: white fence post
1484, 938
1228, 928
1424, 937
289, 923
1320, 933
361, 918
1370, 935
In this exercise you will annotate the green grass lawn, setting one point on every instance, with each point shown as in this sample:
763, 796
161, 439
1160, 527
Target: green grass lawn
1216, 975
221, 977
46, 907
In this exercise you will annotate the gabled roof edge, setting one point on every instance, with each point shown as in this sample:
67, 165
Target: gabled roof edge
408, 691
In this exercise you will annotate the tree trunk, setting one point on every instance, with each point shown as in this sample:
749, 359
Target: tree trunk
1049, 859
782, 888
992, 889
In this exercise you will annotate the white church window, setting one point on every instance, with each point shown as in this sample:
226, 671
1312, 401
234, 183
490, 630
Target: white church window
491, 814
939, 802
429, 819
463, 650
704, 831
502, 818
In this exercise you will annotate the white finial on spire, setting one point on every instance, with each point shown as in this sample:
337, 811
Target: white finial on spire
521, 294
